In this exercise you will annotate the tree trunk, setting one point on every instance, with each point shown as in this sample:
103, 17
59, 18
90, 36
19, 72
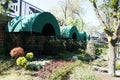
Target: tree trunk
112, 59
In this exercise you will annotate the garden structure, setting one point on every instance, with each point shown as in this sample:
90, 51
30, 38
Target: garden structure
69, 32
32, 31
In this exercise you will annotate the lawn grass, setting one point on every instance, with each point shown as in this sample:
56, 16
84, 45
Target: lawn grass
22, 74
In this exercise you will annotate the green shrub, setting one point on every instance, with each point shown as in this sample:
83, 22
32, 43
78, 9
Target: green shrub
49, 57
59, 74
65, 55
82, 51
2, 49
117, 65
21, 61
54, 46
74, 45
61, 55
83, 56
98, 51
29, 56
33, 66
99, 62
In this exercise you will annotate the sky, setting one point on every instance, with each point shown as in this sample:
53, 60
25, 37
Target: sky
88, 16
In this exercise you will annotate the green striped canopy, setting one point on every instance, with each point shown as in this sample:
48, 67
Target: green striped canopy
88, 37
38, 22
70, 32
83, 36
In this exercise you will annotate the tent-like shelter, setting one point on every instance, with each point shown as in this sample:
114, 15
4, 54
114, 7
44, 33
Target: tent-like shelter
43, 23
69, 32
83, 36
87, 37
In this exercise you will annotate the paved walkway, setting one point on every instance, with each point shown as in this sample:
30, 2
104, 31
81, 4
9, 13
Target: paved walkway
106, 76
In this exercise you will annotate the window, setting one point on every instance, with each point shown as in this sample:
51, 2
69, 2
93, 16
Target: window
29, 12
16, 8
11, 6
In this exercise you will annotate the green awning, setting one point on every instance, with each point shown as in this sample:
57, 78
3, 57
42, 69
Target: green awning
83, 36
39, 22
70, 32
88, 37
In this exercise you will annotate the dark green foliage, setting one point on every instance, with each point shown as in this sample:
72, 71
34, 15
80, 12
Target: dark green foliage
74, 45
71, 45
49, 57
101, 45
84, 57
54, 46
2, 52
2, 49
81, 51
100, 49
113, 3
65, 55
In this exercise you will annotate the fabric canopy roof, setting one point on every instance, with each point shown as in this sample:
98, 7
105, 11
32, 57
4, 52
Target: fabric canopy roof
83, 36
69, 32
45, 24
88, 37
34, 23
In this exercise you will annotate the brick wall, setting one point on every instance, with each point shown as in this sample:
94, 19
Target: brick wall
2, 35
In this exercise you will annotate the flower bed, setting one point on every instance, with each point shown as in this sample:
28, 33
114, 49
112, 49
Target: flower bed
48, 69
57, 69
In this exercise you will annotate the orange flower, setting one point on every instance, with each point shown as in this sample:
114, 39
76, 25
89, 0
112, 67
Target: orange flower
16, 52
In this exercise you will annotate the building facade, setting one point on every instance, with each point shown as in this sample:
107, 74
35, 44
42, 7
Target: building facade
21, 7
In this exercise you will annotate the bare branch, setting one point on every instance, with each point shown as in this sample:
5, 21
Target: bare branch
98, 14
118, 28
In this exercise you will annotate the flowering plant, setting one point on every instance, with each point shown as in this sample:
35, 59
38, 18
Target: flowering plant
16, 52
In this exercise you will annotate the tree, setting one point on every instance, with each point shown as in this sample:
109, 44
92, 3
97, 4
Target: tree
4, 6
92, 30
4, 11
110, 20
68, 12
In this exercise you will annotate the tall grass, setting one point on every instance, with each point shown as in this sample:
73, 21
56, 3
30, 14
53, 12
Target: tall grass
82, 73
